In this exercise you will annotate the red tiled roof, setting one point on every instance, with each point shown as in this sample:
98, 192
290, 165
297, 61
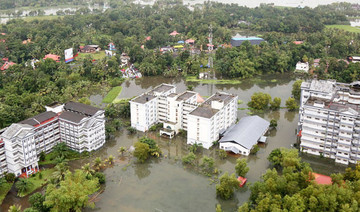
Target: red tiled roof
242, 181
6, 65
174, 33
52, 56
298, 42
322, 179
148, 38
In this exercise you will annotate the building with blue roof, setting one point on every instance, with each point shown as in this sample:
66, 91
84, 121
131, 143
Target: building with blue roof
237, 40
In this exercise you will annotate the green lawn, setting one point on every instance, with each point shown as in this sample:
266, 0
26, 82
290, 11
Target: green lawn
121, 101
38, 183
72, 155
212, 81
4, 189
96, 56
344, 27
113, 93
41, 18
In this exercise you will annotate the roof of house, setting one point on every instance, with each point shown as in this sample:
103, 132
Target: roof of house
52, 56
40, 118
81, 108
249, 38
322, 179
143, 98
6, 65
21, 130
298, 42
219, 96
246, 132
71, 116
174, 33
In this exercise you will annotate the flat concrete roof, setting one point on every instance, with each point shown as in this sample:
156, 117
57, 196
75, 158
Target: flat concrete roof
162, 88
186, 95
204, 111
142, 99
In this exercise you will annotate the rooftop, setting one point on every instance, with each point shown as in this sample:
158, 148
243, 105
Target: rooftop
40, 118
143, 98
222, 97
71, 116
162, 88
326, 86
186, 95
248, 38
246, 132
204, 111
19, 130
81, 108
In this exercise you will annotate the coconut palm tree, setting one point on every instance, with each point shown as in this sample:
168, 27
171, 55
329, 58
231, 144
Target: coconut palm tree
61, 150
122, 150
60, 171
15, 208
87, 170
23, 185
111, 159
97, 163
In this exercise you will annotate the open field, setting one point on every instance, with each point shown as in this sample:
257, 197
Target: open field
212, 81
38, 183
113, 93
344, 27
41, 18
96, 56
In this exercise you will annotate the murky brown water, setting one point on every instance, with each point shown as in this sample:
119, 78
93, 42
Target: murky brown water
165, 184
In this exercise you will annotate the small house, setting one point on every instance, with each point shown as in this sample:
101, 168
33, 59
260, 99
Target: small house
300, 66
237, 40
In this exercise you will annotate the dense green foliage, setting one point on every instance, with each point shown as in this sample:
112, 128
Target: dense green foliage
72, 194
259, 101
296, 89
275, 103
241, 168
189, 158
142, 151
291, 104
228, 184
291, 188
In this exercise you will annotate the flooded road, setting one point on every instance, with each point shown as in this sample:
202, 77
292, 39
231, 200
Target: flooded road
165, 184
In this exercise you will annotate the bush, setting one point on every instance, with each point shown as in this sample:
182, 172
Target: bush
131, 130
141, 151
273, 123
225, 189
296, 89
222, 153
255, 149
101, 177
10, 177
42, 156
291, 104
189, 158
241, 167
275, 103
259, 101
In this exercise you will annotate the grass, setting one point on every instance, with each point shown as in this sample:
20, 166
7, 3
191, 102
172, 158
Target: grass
240, 102
96, 56
41, 18
213, 81
72, 155
38, 183
344, 27
113, 93
120, 101
4, 189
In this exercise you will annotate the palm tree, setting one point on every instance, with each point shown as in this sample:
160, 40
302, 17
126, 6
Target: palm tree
61, 150
111, 159
87, 170
97, 163
122, 150
60, 171
23, 185
15, 208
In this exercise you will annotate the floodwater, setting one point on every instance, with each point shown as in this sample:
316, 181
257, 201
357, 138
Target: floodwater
165, 184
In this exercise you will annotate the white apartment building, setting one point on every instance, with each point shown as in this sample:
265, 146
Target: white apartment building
81, 127
217, 113
186, 111
329, 120
151, 107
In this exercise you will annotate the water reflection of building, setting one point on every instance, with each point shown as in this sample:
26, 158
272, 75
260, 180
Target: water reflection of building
81, 127
329, 120
184, 111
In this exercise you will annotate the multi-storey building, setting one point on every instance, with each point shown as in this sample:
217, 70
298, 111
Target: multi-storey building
329, 120
184, 111
217, 113
81, 127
